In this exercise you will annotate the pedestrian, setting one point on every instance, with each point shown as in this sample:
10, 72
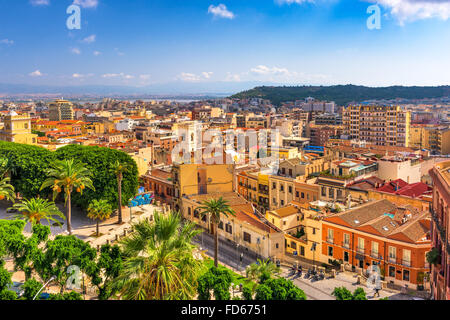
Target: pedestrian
377, 291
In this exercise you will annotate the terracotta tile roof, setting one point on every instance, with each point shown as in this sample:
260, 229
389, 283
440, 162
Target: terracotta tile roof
286, 211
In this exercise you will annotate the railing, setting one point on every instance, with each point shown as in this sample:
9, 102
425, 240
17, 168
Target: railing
346, 245
406, 263
392, 259
375, 254
360, 250
330, 240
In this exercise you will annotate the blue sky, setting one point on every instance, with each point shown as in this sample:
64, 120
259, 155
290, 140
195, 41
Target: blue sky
145, 42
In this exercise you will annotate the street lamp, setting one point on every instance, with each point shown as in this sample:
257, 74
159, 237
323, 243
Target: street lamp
46, 284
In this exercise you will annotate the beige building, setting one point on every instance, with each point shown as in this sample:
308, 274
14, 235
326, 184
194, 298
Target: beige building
245, 228
60, 110
396, 167
281, 191
17, 128
380, 125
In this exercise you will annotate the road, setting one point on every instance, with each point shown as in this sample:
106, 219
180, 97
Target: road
228, 252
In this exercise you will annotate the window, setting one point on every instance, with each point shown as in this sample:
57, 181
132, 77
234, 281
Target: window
405, 275
392, 254
196, 214
330, 251
360, 244
346, 240
220, 225
303, 195
330, 235
290, 172
331, 193
276, 245
290, 189
407, 257
282, 202
293, 245
189, 211
274, 185
283, 171
302, 251
346, 257
229, 228
296, 194
314, 230
247, 237
281, 187
374, 248
324, 191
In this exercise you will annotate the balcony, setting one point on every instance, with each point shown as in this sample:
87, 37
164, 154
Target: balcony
406, 263
330, 240
392, 260
346, 245
360, 250
375, 255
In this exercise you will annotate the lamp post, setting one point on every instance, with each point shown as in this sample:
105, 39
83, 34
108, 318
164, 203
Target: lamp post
46, 284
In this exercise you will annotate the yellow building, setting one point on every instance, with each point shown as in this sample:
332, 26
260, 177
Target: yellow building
263, 192
198, 179
17, 128
431, 138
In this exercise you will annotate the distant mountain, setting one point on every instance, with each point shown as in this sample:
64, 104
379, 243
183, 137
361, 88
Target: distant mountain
342, 94
221, 88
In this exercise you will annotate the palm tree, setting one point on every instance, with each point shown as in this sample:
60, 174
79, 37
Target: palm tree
99, 210
67, 175
159, 261
119, 169
215, 209
263, 268
7, 190
37, 209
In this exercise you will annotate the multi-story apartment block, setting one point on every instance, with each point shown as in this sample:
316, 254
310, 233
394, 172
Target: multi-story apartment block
380, 125
60, 110
440, 272
431, 137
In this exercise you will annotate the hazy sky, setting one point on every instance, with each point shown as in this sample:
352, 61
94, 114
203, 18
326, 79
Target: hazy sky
142, 42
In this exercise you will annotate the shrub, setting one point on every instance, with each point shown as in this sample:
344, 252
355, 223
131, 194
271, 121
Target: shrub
263, 292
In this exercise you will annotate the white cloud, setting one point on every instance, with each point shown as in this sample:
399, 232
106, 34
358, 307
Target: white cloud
36, 73
86, 3
40, 2
207, 75
220, 11
411, 10
82, 76
293, 1
118, 75
89, 39
7, 42
232, 77
184, 76
264, 70
97, 53
192, 77
144, 76
75, 51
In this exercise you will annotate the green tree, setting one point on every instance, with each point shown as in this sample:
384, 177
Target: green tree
37, 209
99, 161
359, 294
7, 190
31, 287
283, 289
5, 282
342, 293
109, 266
215, 208
67, 175
119, 169
99, 210
263, 292
262, 270
159, 261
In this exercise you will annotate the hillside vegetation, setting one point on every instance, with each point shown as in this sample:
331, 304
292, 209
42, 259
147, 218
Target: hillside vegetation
341, 94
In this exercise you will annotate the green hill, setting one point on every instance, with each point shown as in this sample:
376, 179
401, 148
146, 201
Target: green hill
342, 94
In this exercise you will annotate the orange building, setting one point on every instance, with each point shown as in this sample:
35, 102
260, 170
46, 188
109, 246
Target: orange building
380, 233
